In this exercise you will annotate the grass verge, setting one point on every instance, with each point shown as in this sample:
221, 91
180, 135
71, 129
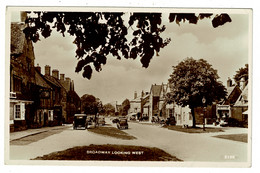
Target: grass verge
111, 153
234, 137
194, 130
112, 132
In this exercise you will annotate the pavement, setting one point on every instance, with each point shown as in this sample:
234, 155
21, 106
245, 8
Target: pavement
29, 132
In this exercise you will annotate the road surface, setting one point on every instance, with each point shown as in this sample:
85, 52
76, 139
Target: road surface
187, 147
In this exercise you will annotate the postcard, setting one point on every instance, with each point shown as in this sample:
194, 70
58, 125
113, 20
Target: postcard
128, 86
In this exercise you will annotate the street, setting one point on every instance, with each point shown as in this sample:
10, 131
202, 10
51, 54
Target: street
187, 147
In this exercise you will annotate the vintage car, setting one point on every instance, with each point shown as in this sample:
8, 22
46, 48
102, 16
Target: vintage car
115, 120
122, 123
80, 121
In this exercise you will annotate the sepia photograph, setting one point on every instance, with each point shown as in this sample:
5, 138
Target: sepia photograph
128, 86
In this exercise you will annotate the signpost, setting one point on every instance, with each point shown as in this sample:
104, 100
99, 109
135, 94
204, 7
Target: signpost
204, 110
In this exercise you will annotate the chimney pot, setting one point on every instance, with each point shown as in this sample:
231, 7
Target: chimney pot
38, 68
229, 82
55, 73
62, 76
47, 70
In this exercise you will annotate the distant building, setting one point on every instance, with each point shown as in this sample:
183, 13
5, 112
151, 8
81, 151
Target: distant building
135, 104
240, 108
224, 107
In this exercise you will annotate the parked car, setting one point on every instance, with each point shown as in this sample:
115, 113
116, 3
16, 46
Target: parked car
79, 121
122, 123
115, 120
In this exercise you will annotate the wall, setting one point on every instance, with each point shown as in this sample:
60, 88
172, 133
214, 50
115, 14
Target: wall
236, 112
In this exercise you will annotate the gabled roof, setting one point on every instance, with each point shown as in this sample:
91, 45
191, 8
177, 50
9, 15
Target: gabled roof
40, 80
156, 90
52, 80
17, 38
229, 90
243, 98
233, 93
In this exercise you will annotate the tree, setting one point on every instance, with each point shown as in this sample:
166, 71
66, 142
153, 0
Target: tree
99, 34
192, 80
109, 109
125, 107
241, 73
90, 104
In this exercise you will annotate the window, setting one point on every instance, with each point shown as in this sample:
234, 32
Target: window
50, 115
170, 112
19, 111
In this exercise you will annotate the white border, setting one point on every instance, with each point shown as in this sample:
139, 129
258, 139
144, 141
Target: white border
161, 3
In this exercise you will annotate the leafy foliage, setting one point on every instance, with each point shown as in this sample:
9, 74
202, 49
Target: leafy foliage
90, 104
125, 107
241, 73
98, 34
192, 80
109, 109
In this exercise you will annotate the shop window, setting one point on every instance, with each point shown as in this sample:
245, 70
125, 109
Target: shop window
50, 115
19, 111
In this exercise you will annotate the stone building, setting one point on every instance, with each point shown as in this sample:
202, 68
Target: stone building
36, 100
22, 78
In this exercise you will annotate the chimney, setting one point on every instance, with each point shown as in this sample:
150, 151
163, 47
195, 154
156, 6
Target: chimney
229, 82
142, 94
67, 83
38, 68
135, 95
23, 16
55, 73
72, 85
62, 76
47, 70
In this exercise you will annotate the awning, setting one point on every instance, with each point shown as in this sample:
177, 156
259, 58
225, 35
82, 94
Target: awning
246, 112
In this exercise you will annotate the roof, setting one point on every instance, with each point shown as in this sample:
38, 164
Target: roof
229, 90
243, 98
156, 90
17, 38
52, 80
39, 78
137, 99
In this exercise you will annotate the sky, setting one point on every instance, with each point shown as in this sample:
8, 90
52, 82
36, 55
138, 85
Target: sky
225, 48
